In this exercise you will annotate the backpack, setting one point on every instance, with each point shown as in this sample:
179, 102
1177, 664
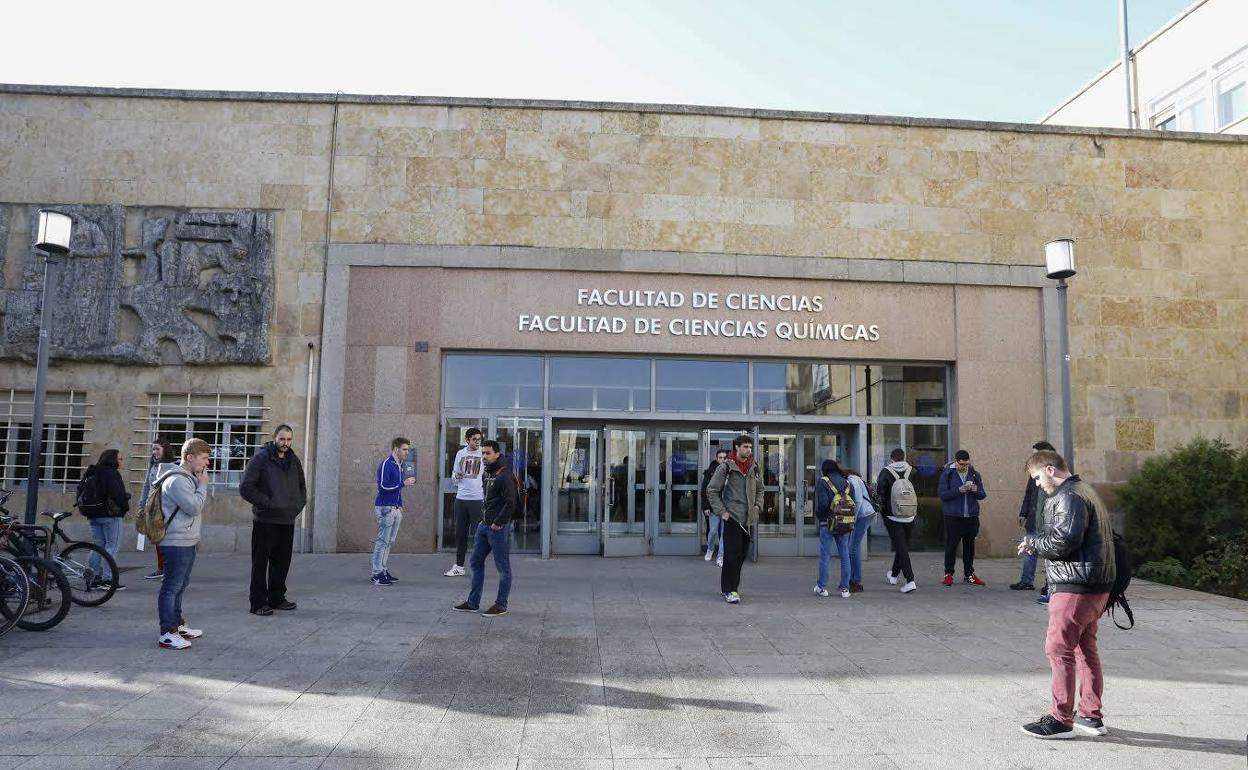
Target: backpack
842, 510
90, 499
1122, 579
151, 521
903, 502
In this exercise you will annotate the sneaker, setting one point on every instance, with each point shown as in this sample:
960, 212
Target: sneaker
708, 555
172, 641
1093, 727
390, 577
855, 588
892, 579
732, 597
189, 633
157, 575
286, 606
380, 579
455, 571
821, 591
465, 607
948, 580
104, 585
1022, 585
973, 580
264, 610
908, 587
719, 560
494, 611
1042, 599
844, 593
1048, 728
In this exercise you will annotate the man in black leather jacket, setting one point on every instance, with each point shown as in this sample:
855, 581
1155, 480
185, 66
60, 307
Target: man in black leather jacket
1077, 540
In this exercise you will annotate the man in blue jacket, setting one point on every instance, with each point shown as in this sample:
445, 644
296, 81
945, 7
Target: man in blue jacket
961, 489
388, 506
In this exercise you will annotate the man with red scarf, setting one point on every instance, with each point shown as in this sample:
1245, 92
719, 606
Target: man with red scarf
736, 496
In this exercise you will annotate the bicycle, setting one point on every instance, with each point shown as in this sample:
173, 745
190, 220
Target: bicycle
85, 586
14, 593
49, 596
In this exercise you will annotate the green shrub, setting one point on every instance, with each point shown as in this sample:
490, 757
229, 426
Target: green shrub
1179, 500
1223, 569
1169, 571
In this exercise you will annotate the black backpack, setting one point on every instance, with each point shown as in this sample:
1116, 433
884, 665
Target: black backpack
91, 499
1122, 579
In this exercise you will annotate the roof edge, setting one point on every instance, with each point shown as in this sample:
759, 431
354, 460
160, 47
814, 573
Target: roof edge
555, 104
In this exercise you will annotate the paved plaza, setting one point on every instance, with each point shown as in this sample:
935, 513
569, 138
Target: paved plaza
628, 664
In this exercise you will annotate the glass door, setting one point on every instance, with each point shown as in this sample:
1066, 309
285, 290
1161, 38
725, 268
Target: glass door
577, 492
777, 523
677, 530
625, 492
521, 441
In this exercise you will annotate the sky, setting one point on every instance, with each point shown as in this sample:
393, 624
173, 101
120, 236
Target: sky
1009, 60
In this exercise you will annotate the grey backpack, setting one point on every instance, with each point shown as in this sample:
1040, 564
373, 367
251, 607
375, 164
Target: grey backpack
903, 502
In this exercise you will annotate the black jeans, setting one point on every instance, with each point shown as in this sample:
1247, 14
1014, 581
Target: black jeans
271, 547
736, 549
467, 516
960, 530
899, 534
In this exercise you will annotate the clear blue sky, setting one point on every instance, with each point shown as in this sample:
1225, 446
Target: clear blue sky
983, 59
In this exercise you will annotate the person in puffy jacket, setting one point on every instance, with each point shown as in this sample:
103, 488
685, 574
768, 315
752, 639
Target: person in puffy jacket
960, 490
274, 484
105, 508
1077, 539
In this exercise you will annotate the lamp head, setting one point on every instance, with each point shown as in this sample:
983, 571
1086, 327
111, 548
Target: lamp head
54, 231
1059, 258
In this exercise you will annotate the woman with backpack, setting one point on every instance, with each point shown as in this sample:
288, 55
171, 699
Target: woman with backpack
103, 499
830, 489
162, 452
864, 517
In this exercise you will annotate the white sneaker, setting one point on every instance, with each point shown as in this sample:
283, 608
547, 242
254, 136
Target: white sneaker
455, 571
719, 560
709, 555
844, 594
892, 579
189, 633
174, 642
908, 587
820, 591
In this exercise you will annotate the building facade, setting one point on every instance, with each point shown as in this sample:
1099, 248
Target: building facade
612, 291
1190, 75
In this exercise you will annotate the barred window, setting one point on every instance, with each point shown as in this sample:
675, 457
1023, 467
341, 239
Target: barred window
65, 417
231, 423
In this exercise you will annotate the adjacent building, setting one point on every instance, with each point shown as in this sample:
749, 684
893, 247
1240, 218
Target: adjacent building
612, 291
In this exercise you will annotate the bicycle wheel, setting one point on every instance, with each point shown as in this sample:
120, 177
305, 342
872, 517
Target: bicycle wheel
14, 593
75, 562
49, 594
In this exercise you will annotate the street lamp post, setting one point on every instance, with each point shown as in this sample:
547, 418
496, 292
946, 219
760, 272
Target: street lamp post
52, 238
1059, 261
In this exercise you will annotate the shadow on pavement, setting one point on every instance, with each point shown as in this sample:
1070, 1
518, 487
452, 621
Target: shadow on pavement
1141, 740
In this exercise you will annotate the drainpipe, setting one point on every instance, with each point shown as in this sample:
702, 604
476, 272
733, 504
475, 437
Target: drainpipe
1126, 63
305, 531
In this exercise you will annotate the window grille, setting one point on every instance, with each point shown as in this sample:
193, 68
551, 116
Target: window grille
64, 438
231, 423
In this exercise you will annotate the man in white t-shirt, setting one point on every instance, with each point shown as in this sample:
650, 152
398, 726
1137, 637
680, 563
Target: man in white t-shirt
469, 497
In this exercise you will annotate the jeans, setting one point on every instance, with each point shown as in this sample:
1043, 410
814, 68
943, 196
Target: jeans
107, 533
498, 542
899, 535
1070, 644
736, 542
826, 539
1029, 568
960, 530
466, 512
715, 533
389, 518
855, 548
178, 562
271, 548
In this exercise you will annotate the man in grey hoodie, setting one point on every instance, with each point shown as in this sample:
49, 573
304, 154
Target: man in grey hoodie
183, 490
898, 519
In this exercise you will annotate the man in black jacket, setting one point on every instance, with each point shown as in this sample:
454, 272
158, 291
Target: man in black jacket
274, 485
502, 498
1078, 541
1033, 503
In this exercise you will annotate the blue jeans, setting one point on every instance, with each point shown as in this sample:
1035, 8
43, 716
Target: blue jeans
825, 555
1029, 568
107, 533
178, 562
389, 518
715, 532
855, 548
498, 542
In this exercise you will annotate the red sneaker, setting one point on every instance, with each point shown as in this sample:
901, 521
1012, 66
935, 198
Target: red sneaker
948, 580
973, 580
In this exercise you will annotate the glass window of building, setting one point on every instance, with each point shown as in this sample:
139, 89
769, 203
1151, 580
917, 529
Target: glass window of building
492, 382
1233, 97
801, 388
600, 384
895, 390
701, 386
